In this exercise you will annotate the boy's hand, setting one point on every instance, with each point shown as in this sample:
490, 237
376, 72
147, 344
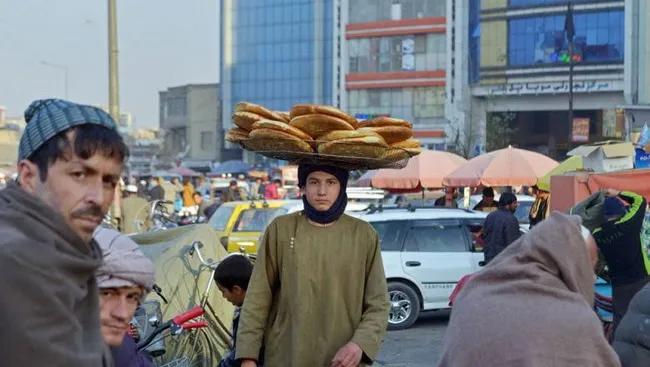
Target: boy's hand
348, 356
249, 363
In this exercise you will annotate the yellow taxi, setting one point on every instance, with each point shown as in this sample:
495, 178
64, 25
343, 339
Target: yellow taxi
239, 224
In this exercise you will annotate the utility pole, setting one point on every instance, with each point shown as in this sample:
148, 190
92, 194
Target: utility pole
113, 74
569, 28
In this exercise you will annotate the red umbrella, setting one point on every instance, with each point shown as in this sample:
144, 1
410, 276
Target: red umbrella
184, 171
504, 167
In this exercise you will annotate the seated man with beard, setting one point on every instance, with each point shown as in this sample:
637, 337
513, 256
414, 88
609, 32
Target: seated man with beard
532, 305
124, 279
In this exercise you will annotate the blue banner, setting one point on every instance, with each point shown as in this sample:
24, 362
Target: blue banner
642, 159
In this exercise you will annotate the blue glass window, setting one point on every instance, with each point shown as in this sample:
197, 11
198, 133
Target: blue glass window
541, 2
542, 40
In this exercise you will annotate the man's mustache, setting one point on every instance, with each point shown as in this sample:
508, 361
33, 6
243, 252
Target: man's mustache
91, 211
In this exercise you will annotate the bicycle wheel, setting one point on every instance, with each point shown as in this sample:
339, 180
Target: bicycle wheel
189, 349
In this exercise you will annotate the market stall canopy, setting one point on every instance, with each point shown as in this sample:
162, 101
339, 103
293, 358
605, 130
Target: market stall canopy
574, 163
504, 167
425, 171
231, 167
184, 171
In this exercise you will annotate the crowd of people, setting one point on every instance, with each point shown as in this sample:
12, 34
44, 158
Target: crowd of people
317, 294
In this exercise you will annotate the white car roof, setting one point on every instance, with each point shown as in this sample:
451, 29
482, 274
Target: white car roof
296, 206
419, 214
520, 198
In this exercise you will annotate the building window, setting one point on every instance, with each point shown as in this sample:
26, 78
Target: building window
362, 11
207, 140
541, 2
542, 40
418, 105
176, 106
401, 53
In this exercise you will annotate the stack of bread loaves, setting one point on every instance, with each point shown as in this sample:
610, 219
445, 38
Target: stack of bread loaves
320, 129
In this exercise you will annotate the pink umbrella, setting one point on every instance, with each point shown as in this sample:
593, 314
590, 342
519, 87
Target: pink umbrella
366, 179
424, 171
184, 171
504, 167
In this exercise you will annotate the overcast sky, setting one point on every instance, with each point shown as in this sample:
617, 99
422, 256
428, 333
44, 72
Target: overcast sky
162, 43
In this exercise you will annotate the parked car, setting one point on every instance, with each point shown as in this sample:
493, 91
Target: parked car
239, 223
425, 253
525, 203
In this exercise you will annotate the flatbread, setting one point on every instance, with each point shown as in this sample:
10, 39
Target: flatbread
408, 143
265, 140
286, 117
245, 120
257, 109
319, 125
281, 126
385, 121
391, 134
236, 135
346, 134
311, 109
367, 147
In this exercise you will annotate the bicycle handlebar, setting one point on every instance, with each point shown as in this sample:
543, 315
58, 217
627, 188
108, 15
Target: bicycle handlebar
196, 247
178, 321
188, 315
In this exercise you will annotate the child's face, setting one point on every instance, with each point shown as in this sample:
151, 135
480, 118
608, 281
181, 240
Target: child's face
235, 295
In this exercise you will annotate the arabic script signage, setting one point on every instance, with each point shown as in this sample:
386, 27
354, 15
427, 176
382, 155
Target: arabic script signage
550, 88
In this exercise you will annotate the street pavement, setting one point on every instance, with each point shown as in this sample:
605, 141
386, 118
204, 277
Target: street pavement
418, 346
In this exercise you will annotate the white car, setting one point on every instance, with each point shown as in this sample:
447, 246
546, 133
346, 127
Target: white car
425, 253
525, 203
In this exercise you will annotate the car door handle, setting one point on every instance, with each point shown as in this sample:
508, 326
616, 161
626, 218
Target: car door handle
413, 263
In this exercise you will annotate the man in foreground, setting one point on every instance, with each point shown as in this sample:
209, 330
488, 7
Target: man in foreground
70, 161
124, 279
619, 240
533, 305
501, 227
318, 294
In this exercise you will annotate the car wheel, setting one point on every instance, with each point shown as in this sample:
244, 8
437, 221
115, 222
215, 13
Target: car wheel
404, 306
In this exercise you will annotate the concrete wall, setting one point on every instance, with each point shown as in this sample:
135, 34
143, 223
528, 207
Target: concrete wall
204, 116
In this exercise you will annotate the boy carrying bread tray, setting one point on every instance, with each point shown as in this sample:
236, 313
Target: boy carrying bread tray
317, 295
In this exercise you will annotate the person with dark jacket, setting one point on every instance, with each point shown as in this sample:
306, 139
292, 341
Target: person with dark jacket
501, 227
631, 339
487, 204
156, 192
619, 241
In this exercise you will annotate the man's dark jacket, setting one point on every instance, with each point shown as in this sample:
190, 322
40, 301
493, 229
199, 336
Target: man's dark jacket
501, 228
157, 193
632, 339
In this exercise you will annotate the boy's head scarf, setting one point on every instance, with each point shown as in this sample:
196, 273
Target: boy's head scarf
338, 207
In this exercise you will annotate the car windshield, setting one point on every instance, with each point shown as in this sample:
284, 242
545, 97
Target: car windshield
254, 220
219, 219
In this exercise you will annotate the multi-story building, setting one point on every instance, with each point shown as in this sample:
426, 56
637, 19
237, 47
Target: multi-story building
277, 53
191, 118
511, 58
394, 62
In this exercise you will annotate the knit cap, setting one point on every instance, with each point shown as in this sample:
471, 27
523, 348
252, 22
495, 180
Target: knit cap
46, 118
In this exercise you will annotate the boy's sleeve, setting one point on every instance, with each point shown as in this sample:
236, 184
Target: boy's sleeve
374, 319
259, 297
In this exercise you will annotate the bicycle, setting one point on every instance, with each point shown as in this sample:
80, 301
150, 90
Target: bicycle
202, 346
154, 342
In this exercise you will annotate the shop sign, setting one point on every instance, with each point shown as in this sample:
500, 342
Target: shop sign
580, 133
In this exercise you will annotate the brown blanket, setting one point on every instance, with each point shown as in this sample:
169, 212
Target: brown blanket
531, 306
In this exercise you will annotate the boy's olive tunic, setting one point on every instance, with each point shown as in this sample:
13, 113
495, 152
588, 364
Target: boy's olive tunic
313, 290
